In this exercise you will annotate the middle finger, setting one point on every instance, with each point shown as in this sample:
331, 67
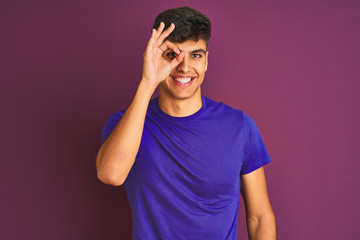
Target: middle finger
164, 34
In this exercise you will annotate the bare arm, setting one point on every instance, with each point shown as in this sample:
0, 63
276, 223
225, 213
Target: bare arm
259, 213
117, 154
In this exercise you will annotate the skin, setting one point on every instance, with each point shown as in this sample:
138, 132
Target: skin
178, 99
260, 216
164, 62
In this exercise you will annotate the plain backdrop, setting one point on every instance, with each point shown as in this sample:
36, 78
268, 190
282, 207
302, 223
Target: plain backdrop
66, 66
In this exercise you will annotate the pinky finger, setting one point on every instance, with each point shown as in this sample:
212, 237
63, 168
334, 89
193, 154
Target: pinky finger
151, 40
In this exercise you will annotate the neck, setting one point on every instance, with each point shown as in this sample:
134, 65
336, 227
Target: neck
180, 107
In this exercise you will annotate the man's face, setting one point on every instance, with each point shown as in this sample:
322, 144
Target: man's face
185, 79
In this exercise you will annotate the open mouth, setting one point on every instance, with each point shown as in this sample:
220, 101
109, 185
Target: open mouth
182, 81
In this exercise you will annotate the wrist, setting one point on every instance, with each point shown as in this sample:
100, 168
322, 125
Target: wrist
146, 88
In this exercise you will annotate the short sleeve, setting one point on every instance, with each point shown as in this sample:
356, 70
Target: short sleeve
110, 125
255, 153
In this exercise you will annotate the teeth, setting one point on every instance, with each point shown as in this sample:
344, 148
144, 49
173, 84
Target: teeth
183, 80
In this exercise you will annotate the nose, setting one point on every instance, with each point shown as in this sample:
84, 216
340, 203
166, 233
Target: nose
184, 65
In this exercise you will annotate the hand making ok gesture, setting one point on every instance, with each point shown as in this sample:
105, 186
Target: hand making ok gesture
156, 68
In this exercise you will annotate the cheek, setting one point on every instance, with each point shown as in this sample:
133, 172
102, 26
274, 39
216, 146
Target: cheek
201, 68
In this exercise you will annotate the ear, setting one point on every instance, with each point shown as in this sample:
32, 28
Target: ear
206, 60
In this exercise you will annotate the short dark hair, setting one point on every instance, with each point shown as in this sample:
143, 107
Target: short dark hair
190, 24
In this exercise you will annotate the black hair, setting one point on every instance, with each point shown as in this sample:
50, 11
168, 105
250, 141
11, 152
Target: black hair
190, 24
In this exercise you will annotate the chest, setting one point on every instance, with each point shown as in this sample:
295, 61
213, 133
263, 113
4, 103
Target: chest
205, 159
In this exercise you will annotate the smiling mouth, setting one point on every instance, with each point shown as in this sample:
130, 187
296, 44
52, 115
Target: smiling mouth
184, 81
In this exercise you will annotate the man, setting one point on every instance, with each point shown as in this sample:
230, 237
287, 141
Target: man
182, 156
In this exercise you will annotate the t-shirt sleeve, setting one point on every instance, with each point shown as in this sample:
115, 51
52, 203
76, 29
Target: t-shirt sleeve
110, 125
255, 153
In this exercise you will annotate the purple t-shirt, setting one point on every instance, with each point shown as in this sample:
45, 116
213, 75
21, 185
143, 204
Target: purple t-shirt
185, 182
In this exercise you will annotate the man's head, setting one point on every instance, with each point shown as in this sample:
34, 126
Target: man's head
191, 36
190, 24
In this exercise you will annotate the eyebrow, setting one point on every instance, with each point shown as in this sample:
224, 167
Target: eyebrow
195, 51
199, 51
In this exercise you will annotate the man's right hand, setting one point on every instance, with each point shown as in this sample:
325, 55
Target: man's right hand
156, 68
117, 155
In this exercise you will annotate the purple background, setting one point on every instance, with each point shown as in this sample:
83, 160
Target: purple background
67, 65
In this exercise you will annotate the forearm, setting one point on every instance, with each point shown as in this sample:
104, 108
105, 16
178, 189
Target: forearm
117, 154
262, 228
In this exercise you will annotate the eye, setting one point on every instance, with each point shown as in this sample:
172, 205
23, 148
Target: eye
169, 55
196, 55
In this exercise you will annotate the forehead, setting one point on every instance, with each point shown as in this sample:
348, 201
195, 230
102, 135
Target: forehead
191, 45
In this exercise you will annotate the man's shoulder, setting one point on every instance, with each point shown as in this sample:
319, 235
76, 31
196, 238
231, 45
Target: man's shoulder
223, 109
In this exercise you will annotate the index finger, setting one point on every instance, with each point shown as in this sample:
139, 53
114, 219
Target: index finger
169, 45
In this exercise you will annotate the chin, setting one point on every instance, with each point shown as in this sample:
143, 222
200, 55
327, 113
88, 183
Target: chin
186, 95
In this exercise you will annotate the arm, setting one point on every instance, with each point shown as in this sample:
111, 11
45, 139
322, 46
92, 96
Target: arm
117, 154
259, 213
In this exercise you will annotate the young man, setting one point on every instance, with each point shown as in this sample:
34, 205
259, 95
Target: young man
183, 157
